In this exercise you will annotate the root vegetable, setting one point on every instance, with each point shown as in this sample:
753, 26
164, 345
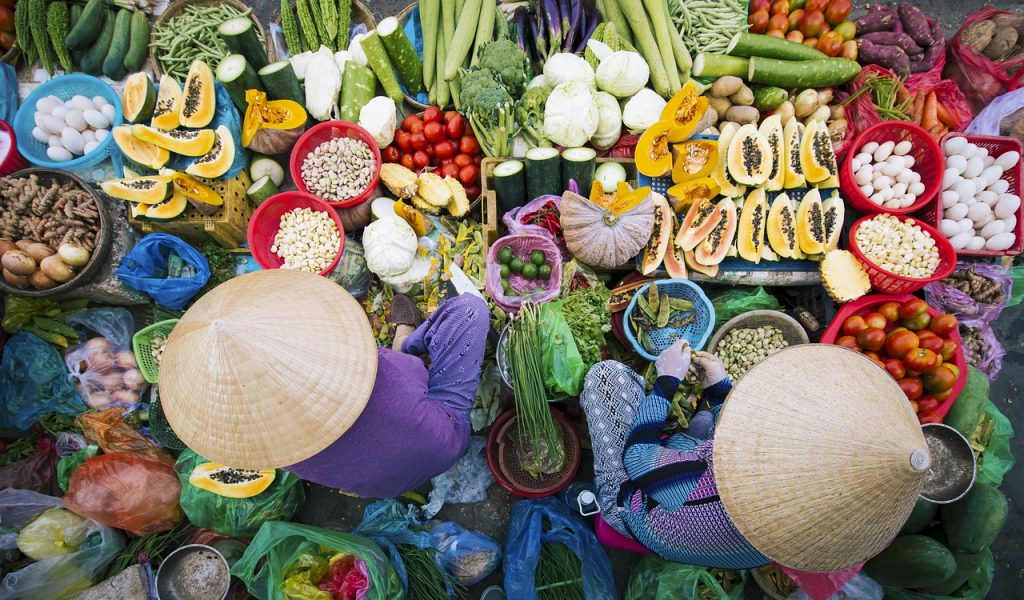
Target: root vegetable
805, 103
56, 269
978, 36
915, 24
891, 57
893, 38
742, 96
23, 244
74, 255
1003, 41
40, 281
18, 262
786, 111
39, 251
742, 114
16, 280
126, 360
720, 106
6, 245
876, 20
726, 86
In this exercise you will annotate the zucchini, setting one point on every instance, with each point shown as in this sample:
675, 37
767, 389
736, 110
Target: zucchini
769, 98
138, 47
290, 28
484, 30
752, 44
260, 190
37, 23
262, 164
663, 34
357, 88
543, 172
281, 82
87, 28
92, 60
344, 23
579, 164
76, 13
113, 63
641, 27
236, 75
510, 185
240, 36
825, 72
462, 40
714, 66
57, 29
377, 58
402, 54
430, 21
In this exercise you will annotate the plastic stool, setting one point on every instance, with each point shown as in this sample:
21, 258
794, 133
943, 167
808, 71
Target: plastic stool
610, 538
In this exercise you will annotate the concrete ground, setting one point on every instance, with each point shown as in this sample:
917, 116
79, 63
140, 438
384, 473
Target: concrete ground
328, 508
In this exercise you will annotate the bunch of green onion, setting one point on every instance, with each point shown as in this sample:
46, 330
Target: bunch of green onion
559, 573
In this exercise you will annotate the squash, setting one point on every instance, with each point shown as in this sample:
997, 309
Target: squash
141, 154
810, 223
750, 235
728, 186
750, 156
605, 237
271, 126
834, 211
168, 209
817, 158
793, 173
974, 522
201, 196
230, 483
420, 224
187, 142
198, 97
700, 219
686, 113
781, 227
219, 159
683, 195
714, 247
165, 113
138, 98
661, 236
771, 129
144, 190
694, 159
911, 561
653, 155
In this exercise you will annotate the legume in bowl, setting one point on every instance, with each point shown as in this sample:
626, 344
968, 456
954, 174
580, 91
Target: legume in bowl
338, 162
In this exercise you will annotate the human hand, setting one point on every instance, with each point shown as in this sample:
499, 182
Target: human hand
711, 368
674, 361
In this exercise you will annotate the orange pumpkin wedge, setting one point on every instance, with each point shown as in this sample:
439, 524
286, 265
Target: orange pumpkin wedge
694, 159
685, 111
653, 155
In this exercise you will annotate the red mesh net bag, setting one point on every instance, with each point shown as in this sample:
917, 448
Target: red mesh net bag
971, 63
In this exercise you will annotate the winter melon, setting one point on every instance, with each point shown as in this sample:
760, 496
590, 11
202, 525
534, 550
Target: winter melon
230, 483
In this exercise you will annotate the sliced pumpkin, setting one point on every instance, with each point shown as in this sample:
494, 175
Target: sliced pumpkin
198, 96
692, 191
271, 127
140, 153
750, 235
204, 198
817, 158
165, 113
187, 142
653, 155
420, 224
168, 209
694, 159
626, 197
144, 190
219, 159
230, 483
685, 111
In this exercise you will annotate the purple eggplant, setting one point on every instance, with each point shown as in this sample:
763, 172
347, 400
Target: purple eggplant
521, 29
538, 32
576, 24
593, 20
565, 8
553, 17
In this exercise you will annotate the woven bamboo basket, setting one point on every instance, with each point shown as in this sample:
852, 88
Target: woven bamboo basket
360, 14
227, 227
177, 8
792, 331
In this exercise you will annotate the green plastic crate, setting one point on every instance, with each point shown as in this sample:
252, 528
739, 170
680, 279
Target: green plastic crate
143, 347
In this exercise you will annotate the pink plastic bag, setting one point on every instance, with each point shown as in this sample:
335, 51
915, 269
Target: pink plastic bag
948, 94
37, 472
992, 351
536, 291
821, 586
517, 220
980, 78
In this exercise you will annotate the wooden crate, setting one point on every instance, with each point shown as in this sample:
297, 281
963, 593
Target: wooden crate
228, 227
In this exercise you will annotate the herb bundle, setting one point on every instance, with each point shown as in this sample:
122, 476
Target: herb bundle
427, 580
559, 574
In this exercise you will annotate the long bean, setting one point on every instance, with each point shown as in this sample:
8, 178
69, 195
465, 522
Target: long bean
192, 36
708, 25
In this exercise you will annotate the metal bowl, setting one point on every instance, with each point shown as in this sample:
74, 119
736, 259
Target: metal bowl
204, 582
952, 469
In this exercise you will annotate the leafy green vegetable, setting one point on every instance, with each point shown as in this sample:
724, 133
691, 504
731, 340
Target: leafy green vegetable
19, 449
55, 422
508, 62
490, 109
586, 311
487, 403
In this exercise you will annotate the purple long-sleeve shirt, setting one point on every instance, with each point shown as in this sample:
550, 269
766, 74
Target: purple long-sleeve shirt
416, 422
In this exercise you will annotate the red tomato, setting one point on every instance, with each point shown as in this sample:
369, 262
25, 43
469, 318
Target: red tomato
450, 170
825, 28
779, 22
463, 160
890, 310
837, 11
402, 138
813, 5
943, 396
795, 36
913, 308
921, 360
931, 342
417, 127
930, 418
928, 404
6, 19
417, 141
776, 33
472, 192
918, 323
469, 145
455, 127
811, 41
794, 18
854, 325
407, 162
433, 131
432, 114
949, 348
876, 320
409, 121
955, 369
939, 380
943, 324
811, 23
444, 149
468, 175
831, 43
901, 342
912, 387
392, 154
758, 21
756, 5
871, 339
914, 406
449, 115
895, 368
477, 159
848, 341
780, 7
420, 159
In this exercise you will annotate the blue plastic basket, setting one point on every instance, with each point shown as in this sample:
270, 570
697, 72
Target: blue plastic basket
696, 332
64, 87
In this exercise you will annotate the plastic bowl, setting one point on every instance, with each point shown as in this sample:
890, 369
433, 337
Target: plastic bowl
64, 87
13, 161
890, 283
325, 132
266, 221
928, 162
695, 333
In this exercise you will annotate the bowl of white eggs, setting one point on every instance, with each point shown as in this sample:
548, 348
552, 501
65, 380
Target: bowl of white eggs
65, 123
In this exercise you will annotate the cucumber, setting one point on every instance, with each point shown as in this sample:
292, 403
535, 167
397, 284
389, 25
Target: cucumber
462, 41
92, 60
357, 88
965, 413
769, 98
138, 47
543, 172
510, 185
237, 76
113, 64
714, 66
579, 164
76, 13
402, 54
766, 46
88, 26
973, 522
824, 72
281, 82
262, 164
239, 35
261, 189
912, 561
377, 57
609, 174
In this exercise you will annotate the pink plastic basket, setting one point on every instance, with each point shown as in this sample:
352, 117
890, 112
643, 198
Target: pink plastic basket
327, 131
266, 221
610, 538
521, 246
13, 161
890, 283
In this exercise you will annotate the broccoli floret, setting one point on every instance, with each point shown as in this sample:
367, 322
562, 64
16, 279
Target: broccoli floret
492, 114
530, 114
508, 62
473, 82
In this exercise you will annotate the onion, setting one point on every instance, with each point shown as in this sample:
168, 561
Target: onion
18, 262
126, 397
98, 344
16, 280
133, 378
98, 400
56, 269
23, 244
39, 251
125, 359
40, 281
74, 255
6, 245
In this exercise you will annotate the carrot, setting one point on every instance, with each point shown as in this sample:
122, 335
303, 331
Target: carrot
944, 117
930, 117
902, 94
917, 109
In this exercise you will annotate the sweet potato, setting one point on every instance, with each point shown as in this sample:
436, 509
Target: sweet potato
1003, 42
891, 38
915, 24
978, 35
928, 59
877, 20
892, 57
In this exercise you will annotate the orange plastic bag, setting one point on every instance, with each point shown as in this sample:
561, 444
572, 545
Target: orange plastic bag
980, 78
108, 430
126, 490
953, 111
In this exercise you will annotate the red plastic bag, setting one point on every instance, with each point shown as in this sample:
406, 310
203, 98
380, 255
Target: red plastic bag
980, 78
949, 96
126, 490
108, 430
37, 472
346, 579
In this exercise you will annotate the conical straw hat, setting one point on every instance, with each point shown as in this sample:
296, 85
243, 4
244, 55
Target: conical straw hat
268, 369
818, 457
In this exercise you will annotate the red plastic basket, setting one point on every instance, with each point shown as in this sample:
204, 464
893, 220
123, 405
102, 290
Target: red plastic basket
995, 145
266, 221
928, 163
503, 459
13, 161
866, 304
890, 283
327, 131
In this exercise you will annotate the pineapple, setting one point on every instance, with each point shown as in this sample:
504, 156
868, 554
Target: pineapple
459, 204
843, 276
434, 190
399, 180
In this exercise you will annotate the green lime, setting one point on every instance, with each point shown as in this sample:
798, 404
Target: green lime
504, 285
505, 255
530, 271
516, 265
537, 257
544, 271
503, 271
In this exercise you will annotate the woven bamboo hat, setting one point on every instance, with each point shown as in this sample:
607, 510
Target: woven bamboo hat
818, 457
268, 369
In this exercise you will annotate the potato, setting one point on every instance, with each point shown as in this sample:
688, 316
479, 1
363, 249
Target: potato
743, 114
6, 245
978, 35
40, 281
1003, 42
743, 96
720, 105
23, 244
723, 87
18, 262
16, 280
56, 269
1010, 20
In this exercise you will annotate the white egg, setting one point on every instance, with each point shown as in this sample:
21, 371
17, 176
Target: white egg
867, 189
1000, 242
90, 146
949, 178
1000, 186
855, 164
49, 124
906, 200
884, 150
968, 151
59, 111
949, 227
981, 152
956, 162
877, 167
863, 157
1007, 205
975, 243
992, 228
89, 136
959, 241
58, 154
888, 193
955, 145
75, 119
101, 134
892, 169
54, 140
72, 140
916, 176
908, 161
987, 161
974, 168
916, 188
95, 119
878, 198
882, 182
957, 212
870, 147
966, 226
905, 176
107, 110
79, 103
949, 198
40, 136
863, 176
47, 104
903, 147
899, 188
965, 189
991, 174
978, 211
986, 197
1010, 222
1008, 160
99, 102
893, 203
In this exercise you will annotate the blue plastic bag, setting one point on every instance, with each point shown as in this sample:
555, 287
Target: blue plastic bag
468, 556
33, 381
389, 522
145, 269
527, 530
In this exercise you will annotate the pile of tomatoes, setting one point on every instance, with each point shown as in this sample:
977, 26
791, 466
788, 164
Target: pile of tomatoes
438, 139
914, 347
6, 24
819, 24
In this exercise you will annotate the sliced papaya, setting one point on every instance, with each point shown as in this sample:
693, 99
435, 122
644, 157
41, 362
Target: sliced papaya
685, 111
750, 234
168, 209
141, 154
219, 159
187, 142
698, 223
750, 157
792, 136
694, 159
165, 113
810, 223
653, 155
153, 189
834, 211
198, 96
204, 198
714, 248
675, 262
771, 129
230, 483
694, 265
138, 98
727, 184
137, 210
781, 227
661, 236
817, 159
